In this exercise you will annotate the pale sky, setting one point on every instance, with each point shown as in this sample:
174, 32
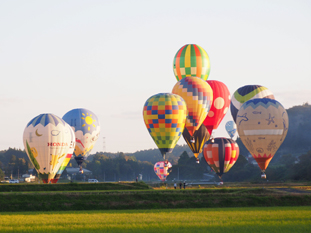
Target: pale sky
111, 56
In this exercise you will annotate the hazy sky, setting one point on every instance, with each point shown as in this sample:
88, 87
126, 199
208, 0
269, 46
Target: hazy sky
111, 56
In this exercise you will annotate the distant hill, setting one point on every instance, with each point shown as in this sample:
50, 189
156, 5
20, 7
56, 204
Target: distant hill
297, 141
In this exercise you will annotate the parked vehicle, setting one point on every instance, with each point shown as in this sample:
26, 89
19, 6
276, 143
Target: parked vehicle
14, 181
6, 180
92, 180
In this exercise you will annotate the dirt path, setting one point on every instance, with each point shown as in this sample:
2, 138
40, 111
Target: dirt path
293, 190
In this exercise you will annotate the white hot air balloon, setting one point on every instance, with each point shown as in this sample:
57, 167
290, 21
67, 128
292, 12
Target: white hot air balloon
47, 140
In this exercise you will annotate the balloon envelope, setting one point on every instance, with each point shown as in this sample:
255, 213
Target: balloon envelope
198, 96
246, 93
221, 154
231, 128
219, 107
165, 116
161, 169
191, 60
262, 126
68, 156
200, 137
86, 127
47, 139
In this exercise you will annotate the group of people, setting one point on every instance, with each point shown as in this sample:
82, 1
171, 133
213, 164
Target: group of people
180, 185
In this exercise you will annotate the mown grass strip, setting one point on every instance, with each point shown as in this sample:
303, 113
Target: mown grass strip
259, 219
151, 199
72, 186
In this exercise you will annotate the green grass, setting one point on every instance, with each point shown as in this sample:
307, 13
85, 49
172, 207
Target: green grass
25, 187
259, 219
148, 199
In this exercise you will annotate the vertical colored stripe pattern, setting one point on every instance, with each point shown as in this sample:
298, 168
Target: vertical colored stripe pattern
221, 154
165, 116
200, 137
198, 96
191, 60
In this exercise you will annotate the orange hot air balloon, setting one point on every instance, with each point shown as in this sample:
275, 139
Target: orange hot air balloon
221, 154
198, 96
262, 126
219, 107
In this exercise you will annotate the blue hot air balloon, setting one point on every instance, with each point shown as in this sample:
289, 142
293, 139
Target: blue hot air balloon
231, 128
86, 126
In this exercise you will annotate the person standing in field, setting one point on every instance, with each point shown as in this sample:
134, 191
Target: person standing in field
180, 184
184, 184
175, 185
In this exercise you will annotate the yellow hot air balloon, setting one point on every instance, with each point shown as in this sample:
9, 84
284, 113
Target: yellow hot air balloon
165, 116
198, 96
262, 126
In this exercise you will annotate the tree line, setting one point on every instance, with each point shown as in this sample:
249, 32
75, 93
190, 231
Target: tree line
291, 162
122, 167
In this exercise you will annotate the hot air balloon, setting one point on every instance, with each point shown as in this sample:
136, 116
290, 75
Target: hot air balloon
191, 60
198, 96
165, 116
200, 137
231, 128
47, 140
262, 126
86, 126
219, 107
221, 154
68, 156
246, 93
161, 169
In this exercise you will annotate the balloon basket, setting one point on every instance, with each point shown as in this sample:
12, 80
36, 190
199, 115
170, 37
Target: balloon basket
54, 181
46, 181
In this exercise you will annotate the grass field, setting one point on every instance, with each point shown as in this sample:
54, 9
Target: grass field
259, 219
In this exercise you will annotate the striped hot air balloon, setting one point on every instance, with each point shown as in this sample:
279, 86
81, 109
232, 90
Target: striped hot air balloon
191, 60
246, 93
165, 116
47, 140
221, 154
198, 96
262, 126
200, 137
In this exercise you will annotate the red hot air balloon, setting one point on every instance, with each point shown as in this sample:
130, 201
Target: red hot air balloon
219, 107
221, 154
